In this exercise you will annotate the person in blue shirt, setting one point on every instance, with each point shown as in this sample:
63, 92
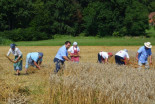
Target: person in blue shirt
61, 56
33, 59
142, 55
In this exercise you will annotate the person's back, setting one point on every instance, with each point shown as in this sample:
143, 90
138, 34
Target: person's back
34, 56
34, 59
103, 54
61, 56
122, 54
143, 54
61, 52
120, 57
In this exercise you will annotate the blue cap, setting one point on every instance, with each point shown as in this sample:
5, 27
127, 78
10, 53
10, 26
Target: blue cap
40, 54
12, 45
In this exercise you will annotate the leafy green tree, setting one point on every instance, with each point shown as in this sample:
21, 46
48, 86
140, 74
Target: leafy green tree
126, 17
151, 7
136, 19
42, 19
15, 14
96, 19
63, 21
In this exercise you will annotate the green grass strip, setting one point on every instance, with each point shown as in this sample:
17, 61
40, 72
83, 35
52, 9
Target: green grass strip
90, 41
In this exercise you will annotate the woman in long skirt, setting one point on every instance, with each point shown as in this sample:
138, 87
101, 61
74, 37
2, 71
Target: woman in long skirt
18, 56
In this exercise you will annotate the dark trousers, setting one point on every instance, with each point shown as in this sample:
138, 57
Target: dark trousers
99, 58
119, 60
58, 64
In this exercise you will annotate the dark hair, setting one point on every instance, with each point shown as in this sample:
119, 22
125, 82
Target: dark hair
67, 42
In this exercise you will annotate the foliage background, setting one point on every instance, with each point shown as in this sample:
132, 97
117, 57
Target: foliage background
41, 19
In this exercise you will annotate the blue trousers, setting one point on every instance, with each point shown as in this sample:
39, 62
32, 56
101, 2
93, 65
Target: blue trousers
99, 58
119, 60
58, 64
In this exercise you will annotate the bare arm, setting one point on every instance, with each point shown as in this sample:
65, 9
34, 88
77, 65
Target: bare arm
150, 59
106, 60
137, 56
127, 62
36, 65
66, 58
70, 53
9, 52
17, 59
79, 53
10, 59
40, 63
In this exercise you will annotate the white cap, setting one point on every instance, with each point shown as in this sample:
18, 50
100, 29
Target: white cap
125, 50
75, 43
148, 45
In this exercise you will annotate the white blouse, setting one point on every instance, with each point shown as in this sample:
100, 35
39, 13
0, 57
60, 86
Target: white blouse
71, 49
122, 54
16, 52
104, 55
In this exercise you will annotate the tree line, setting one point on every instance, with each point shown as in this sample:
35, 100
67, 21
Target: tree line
41, 19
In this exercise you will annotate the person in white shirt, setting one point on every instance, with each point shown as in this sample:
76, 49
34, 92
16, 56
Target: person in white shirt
121, 56
104, 56
18, 56
74, 52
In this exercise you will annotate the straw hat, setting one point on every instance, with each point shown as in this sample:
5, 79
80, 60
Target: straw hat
148, 45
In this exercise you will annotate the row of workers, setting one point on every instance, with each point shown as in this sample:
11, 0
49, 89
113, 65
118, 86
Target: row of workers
35, 58
122, 57
142, 55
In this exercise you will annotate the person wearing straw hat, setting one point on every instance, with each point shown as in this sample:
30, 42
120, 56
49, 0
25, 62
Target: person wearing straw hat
104, 56
18, 56
74, 52
142, 55
34, 59
61, 56
121, 56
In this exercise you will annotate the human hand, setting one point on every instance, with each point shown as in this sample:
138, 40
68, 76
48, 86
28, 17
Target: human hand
137, 58
71, 55
14, 61
38, 67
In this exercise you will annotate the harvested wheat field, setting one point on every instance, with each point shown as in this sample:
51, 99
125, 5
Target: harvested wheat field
85, 83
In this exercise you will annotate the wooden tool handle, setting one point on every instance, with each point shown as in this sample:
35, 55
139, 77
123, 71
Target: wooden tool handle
9, 59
